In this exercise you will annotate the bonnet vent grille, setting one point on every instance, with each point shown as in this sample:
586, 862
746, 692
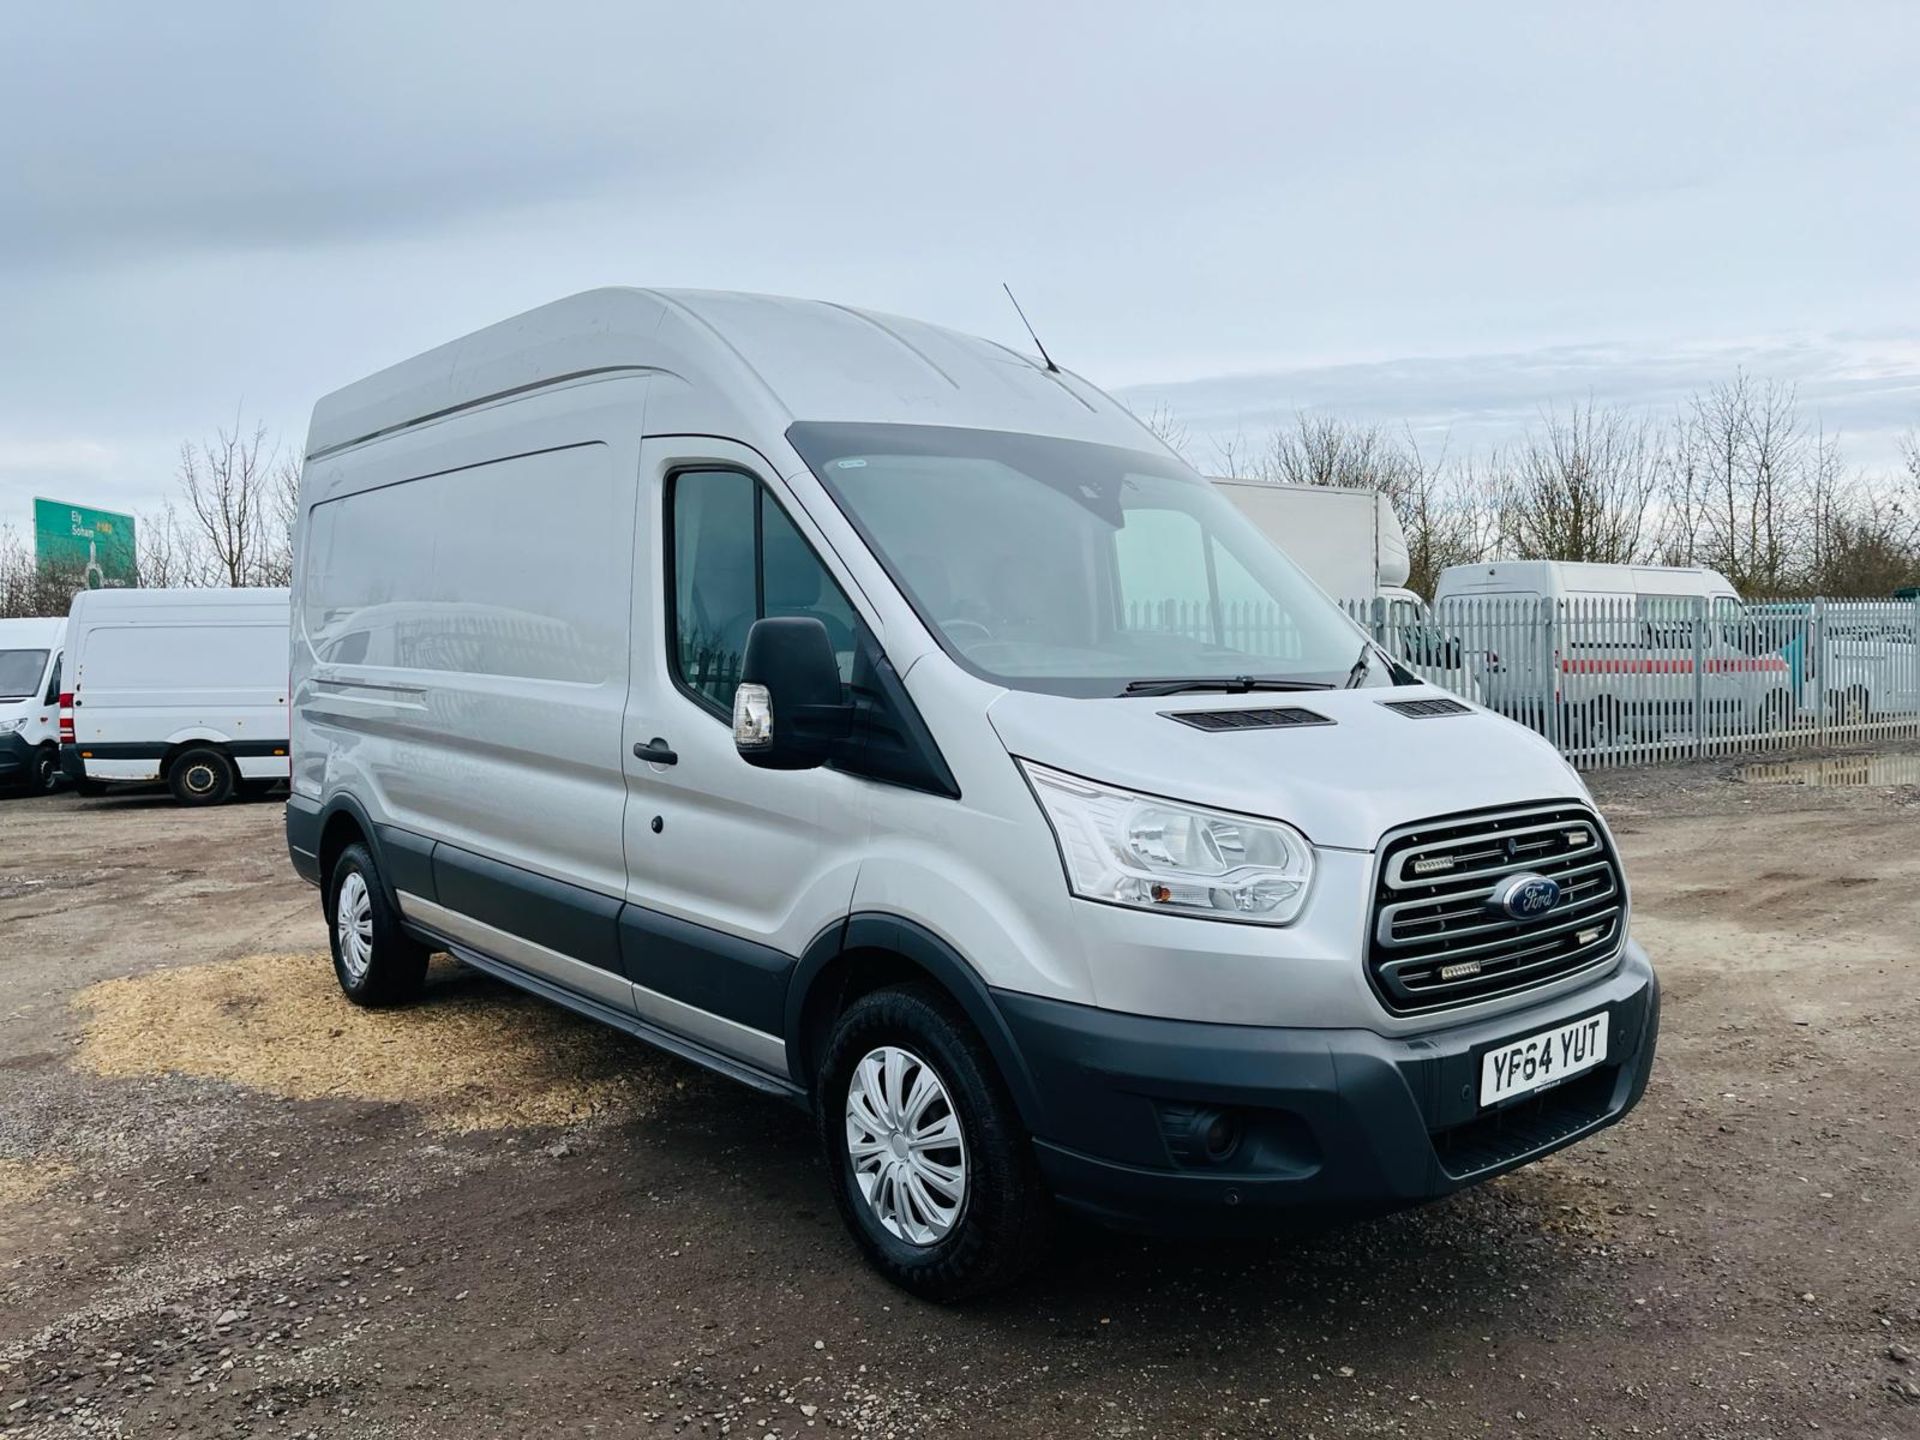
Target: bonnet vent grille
1275, 718
1422, 709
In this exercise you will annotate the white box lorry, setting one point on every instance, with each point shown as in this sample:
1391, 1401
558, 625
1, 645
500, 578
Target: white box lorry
184, 686
1349, 542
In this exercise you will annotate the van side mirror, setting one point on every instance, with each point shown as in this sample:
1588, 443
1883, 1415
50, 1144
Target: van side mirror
791, 710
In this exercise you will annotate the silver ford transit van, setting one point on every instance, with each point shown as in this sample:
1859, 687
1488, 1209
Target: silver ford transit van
887, 720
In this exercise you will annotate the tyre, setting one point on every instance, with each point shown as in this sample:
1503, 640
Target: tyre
932, 1170
1854, 707
1777, 714
1600, 726
376, 962
201, 776
44, 776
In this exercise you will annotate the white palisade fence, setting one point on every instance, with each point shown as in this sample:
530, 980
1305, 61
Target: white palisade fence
1624, 681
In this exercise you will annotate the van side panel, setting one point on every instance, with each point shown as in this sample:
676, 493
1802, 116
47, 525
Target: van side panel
466, 633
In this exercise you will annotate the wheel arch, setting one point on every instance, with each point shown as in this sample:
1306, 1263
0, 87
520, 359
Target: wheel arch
176, 748
343, 822
870, 950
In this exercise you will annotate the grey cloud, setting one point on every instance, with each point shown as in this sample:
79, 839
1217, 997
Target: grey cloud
1865, 390
218, 204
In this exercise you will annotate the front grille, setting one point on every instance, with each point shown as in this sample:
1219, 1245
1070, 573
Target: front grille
1436, 942
1272, 718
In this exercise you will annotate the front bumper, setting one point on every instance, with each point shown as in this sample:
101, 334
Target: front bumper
16, 758
1331, 1122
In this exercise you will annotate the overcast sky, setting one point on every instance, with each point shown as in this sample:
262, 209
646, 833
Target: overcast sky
1452, 214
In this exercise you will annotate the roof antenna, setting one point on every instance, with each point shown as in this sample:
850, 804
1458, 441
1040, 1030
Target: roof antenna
1029, 324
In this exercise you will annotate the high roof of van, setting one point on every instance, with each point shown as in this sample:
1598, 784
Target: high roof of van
30, 633
1548, 577
133, 604
746, 362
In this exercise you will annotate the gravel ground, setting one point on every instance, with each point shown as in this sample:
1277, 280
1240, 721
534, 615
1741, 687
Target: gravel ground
232, 1205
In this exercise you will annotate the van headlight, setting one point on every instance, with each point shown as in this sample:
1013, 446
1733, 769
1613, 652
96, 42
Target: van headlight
7, 727
1129, 849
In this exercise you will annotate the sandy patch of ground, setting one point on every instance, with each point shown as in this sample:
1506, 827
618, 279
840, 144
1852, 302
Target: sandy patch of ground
474, 1056
24, 1181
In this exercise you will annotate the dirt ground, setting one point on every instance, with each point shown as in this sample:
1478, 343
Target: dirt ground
232, 1205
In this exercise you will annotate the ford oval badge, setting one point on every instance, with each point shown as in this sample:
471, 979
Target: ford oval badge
1525, 896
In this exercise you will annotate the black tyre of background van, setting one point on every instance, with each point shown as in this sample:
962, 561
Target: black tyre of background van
202, 776
376, 962
43, 776
1004, 1217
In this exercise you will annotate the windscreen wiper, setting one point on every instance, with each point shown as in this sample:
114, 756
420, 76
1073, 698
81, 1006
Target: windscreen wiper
1227, 684
1360, 666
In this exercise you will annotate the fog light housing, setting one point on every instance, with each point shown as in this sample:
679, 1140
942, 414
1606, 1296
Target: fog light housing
1200, 1135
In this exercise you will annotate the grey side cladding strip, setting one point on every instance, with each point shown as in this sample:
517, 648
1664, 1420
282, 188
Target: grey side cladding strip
568, 919
710, 970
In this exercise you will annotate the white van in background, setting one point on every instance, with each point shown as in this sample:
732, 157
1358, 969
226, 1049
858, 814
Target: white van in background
185, 686
1635, 650
30, 704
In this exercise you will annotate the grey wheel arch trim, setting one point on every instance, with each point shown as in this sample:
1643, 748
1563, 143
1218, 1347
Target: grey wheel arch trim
919, 946
306, 833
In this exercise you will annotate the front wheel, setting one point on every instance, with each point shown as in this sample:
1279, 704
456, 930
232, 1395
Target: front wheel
44, 778
930, 1165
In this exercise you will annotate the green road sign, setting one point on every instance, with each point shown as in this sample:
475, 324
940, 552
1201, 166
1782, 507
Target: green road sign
95, 547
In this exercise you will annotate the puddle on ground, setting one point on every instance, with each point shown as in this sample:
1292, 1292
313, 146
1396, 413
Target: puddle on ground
1845, 771
473, 1055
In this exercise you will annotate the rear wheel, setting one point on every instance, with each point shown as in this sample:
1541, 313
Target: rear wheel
376, 962
1777, 713
932, 1170
1600, 726
1854, 707
201, 776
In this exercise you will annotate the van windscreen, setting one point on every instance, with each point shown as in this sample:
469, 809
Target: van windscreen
1076, 568
20, 672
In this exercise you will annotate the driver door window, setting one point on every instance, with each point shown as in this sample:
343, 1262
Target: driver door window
737, 558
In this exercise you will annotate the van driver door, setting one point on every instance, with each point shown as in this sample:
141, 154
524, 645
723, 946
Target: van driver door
732, 871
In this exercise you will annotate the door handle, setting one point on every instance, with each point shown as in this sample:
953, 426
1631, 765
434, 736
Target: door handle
656, 752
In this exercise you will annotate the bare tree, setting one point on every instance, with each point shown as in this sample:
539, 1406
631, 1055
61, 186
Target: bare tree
1581, 487
1168, 428
28, 585
1742, 482
226, 482
171, 556
1325, 450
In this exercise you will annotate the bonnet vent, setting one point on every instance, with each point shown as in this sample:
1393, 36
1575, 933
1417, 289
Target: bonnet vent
1277, 718
1421, 709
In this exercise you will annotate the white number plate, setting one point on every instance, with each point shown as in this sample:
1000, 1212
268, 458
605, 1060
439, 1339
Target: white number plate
1542, 1060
